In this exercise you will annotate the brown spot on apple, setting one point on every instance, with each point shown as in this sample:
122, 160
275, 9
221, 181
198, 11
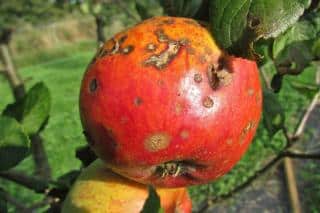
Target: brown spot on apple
157, 142
184, 134
197, 77
137, 101
207, 102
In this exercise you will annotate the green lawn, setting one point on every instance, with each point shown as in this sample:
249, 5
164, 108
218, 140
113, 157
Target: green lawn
63, 134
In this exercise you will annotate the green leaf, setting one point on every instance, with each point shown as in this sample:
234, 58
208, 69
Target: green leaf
276, 82
85, 7
305, 83
236, 24
182, 8
3, 202
152, 204
36, 108
273, 114
67, 180
14, 143
301, 31
96, 8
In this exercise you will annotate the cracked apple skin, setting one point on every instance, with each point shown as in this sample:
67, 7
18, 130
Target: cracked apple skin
161, 104
99, 190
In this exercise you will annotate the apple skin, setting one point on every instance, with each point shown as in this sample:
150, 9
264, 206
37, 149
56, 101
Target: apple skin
161, 104
99, 190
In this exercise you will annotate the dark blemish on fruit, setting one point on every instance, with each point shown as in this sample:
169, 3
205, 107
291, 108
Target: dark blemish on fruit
127, 49
108, 138
88, 138
184, 41
197, 77
251, 125
190, 50
137, 101
182, 168
168, 21
157, 142
160, 83
218, 76
203, 59
250, 92
160, 61
178, 108
122, 39
93, 85
115, 48
229, 141
207, 102
224, 77
161, 36
151, 47
192, 22
184, 134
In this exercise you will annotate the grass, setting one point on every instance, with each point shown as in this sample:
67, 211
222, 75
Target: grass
63, 133
61, 70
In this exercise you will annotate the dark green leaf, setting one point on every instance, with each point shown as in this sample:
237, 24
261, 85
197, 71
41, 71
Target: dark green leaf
67, 180
14, 110
276, 82
148, 8
305, 83
182, 8
294, 58
236, 24
3, 202
36, 108
273, 114
143, 11
152, 204
301, 31
14, 143
275, 16
85, 155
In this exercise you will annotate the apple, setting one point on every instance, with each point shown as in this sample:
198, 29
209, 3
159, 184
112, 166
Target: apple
162, 104
99, 190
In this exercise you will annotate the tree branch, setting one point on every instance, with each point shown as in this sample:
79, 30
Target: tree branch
302, 155
14, 78
35, 183
45, 202
18, 89
12, 200
300, 128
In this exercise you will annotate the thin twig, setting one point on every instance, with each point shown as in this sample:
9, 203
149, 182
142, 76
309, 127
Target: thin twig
45, 202
303, 122
302, 155
13, 201
35, 183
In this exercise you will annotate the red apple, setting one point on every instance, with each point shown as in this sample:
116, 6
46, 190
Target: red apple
163, 105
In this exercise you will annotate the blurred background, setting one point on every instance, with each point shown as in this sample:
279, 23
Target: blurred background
53, 42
